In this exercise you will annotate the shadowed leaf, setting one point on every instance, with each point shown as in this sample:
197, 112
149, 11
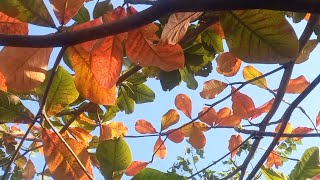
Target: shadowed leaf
9, 25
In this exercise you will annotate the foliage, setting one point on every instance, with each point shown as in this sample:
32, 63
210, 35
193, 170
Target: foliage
75, 130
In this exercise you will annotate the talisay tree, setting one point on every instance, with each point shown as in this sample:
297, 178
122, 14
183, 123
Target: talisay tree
110, 52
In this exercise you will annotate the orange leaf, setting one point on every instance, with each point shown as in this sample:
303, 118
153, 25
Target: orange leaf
318, 119
262, 109
177, 136
89, 44
177, 26
61, 163
140, 49
209, 116
287, 130
169, 119
66, 9
187, 130
3, 86
274, 159
160, 149
242, 105
24, 68
29, 170
212, 88
234, 141
301, 130
228, 64
224, 112
307, 16
249, 72
231, 120
9, 25
144, 127
197, 138
113, 130
81, 134
297, 85
136, 167
184, 104
217, 28
85, 82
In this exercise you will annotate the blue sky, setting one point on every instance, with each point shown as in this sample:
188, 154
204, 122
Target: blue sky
217, 146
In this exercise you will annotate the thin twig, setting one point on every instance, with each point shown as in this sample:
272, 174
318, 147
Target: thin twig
273, 134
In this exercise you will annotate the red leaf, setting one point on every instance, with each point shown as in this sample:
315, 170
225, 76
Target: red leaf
144, 127
297, 85
160, 149
184, 104
135, 168
301, 130
262, 109
235, 140
9, 25
231, 120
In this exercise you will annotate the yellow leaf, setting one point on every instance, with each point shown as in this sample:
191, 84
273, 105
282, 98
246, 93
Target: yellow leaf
228, 64
169, 119
24, 68
113, 130
249, 72
212, 88
287, 130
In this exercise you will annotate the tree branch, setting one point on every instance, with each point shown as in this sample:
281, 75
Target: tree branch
273, 134
159, 9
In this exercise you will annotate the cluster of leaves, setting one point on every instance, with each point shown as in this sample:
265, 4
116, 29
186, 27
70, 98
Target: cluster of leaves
109, 77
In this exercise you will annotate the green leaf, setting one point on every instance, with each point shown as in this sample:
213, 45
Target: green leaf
148, 173
137, 78
169, 80
307, 49
12, 110
82, 16
142, 93
101, 8
271, 174
62, 91
113, 156
124, 102
260, 36
213, 40
205, 70
198, 49
188, 77
30, 11
111, 113
308, 166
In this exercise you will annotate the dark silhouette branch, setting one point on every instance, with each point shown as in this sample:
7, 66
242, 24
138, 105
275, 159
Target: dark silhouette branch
159, 9
273, 134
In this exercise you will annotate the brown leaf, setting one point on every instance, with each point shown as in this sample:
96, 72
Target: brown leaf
234, 141
228, 64
177, 136
301, 130
209, 116
136, 167
169, 119
212, 88
144, 127
24, 68
177, 26
184, 104
274, 159
242, 105
66, 9
61, 163
160, 149
113, 130
197, 138
9, 25
29, 171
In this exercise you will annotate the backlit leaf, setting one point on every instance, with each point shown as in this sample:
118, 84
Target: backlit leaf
301, 130
197, 138
30, 11
177, 26
249, 72
262, 109
62, 91
274, 159
318, 120
124, 102
160, 149
144, 127
176, 136
113, 155
184, 104
26, 67
231, 120
208, 116
212, 39
271, 174
287, 130
148, 173
66, 9
297, 85
228, 64
142, 93
136, 167
188, 77
9, 25
140, 49
85, 82
187, 130
217, 28
260, 36
234, 141
212, 88
242, 105
113, 130
61, 163
169, 118
80, 134
29, 171
224, 112
307, 49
